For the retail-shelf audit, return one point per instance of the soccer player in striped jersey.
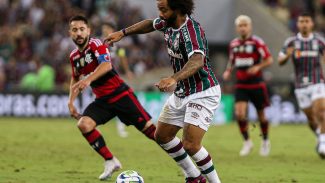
(306, 50)
(196, 90)
(249, 55)
(91, 66)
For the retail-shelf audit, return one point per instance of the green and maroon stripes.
(178, 151)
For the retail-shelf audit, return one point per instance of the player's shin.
(243, 127)
(264, 129)
(175, 149)
(204, 162)
(97, 142)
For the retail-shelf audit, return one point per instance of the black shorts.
(258, 95)
(127, 108)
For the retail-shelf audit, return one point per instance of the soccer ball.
(129, 176)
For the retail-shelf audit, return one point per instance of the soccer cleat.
(265, 148)
(199, 179)
(111, 166)
(321, 150)
(247, 148)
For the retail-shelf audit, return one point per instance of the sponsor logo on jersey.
(176, 42)
(299, 54)
(315, 45)
(186, 36)
(173, 54)
(242, 62)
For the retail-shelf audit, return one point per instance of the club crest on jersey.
(315, 45)
(176, 42)
(88, 58)
(249, 49)
(297, 45)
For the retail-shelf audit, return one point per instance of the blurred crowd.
(288, 11)
(35, 44)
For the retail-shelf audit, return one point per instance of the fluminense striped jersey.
(307, 58)
(182, 43)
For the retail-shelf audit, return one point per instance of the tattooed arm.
(194, 64)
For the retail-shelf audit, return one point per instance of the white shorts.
(196, 109)
(305, 96)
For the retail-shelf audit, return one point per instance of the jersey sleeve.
(288, 43)
(159, 24)
(321, 44)
(101, 51)
(194, 39)
(263, 50)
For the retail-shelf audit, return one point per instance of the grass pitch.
(53, 151)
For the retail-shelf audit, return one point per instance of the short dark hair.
(306, 14)
(185, 6)
(79, 18)
(110, 24)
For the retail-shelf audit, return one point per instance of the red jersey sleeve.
(263, 49)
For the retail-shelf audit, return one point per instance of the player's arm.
(284, 57)
(124, 63)
(142, 27)
(194, 64)
(72, 96)
(230, 66)
(266, 56)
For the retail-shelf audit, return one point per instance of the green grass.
(53, 151)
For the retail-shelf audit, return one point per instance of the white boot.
(111, 166)
(247, 148)
(265, 148)
(121, 129)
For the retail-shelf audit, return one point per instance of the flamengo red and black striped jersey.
(85, 62)
(307, 58)
(182, 43)
(244, 54)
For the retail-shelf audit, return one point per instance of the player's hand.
(253, 70)
(73, 111)
(113, 37)
(166, 84)
(290, 51)
(81, 85)
(226, 75)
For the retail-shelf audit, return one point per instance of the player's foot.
(247, 148)
(265, 148)
(199, 179)
(111, 166)
(321, 150)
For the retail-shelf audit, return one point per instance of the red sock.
(97, 142)
(150, 132)
(243, 126)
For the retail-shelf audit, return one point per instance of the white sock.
(205, 164)
(322, 138)
(176, 150)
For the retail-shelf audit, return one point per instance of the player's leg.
(171, 120)
(242, 121)
(95, 114)
(192, 138)
(260, 99)
(304, 100)
(319, 112)
(131, 112)
(198, 117)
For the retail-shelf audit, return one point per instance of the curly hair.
(185, 6)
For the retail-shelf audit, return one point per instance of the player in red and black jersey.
(91, 66)
(248, 54)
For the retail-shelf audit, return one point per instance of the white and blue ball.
(129, 176)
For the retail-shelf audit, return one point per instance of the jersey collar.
(182, 24)
(310, 37)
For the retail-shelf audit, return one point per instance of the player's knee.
(162, 138)
(240, 116)
(191, 147)
(85, 125)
